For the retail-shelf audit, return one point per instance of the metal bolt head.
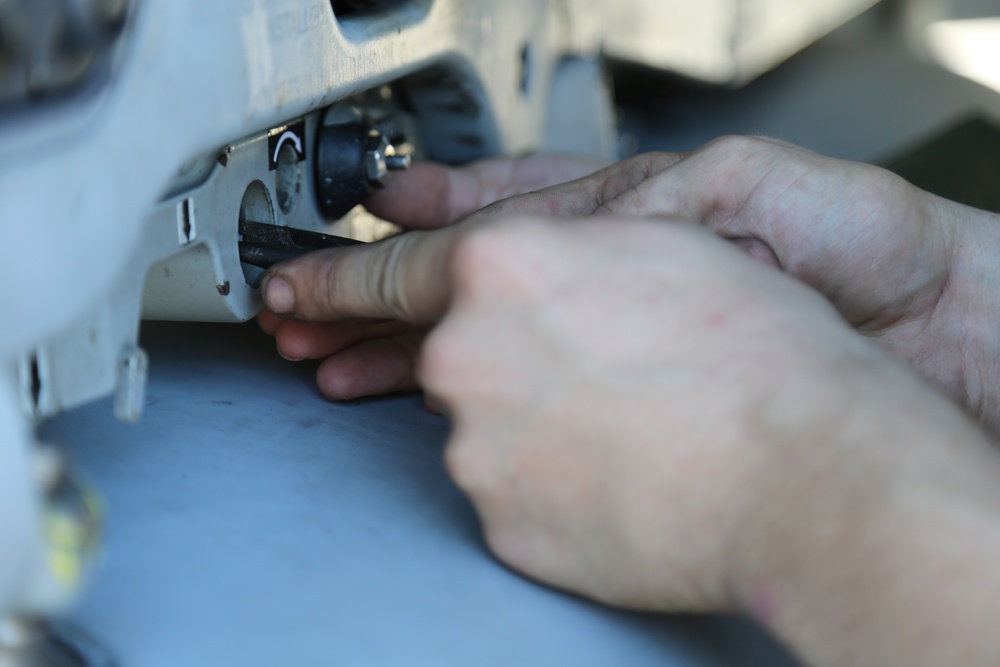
(375, 166)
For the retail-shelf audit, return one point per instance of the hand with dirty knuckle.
(913, 272)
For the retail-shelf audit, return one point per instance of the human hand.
(561, 339)
(914, 272)
(644, 416)
(625, 397)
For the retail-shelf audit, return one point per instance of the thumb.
(405, 277)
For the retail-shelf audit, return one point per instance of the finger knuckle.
(467, 466)
(645, 165)
(508, 545)
(439, 367)
(323, 290)
(387, 289)
(735, 146)
(630, 202)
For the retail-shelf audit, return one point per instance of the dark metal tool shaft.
(263, 244)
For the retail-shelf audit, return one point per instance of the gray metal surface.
(251, 522)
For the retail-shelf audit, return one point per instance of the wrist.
(870, 541)
(968, 316)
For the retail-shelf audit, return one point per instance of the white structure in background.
(963, 36)
(968, 47)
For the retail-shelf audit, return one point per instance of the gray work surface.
(253, 523)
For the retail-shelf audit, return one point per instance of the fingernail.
(287, 357)
(278, 295)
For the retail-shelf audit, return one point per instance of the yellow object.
(73, 530)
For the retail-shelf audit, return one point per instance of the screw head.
(375, 166)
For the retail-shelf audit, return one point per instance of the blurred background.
(909, 84)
